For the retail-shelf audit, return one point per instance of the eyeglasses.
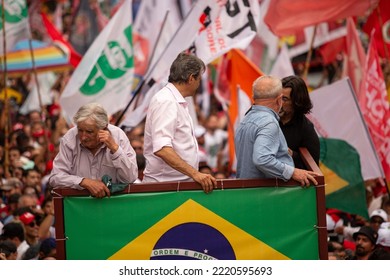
(32, 224)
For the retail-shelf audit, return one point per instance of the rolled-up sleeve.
(163, 128)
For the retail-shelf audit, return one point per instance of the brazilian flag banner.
(340, 164)
(267, 223)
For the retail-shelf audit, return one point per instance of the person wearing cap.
(11, 185)
(365, 240)
(384, 236)
(92, 149)
(14, 232)
(31, 227)
(377, 217)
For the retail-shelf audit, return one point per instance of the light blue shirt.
(261, 148)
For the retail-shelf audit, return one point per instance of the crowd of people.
(165, 147)
(41, 151)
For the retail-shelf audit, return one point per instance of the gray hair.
(266, 87)
(93, 111)
(184, 66)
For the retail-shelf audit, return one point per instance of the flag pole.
(150, 70)
(43, 112)
(6, 103)
(158, 38)
(309, 54)
(139, 88)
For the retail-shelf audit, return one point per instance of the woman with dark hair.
(297, 128)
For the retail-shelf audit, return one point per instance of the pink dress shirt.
(74, 162)
(168, 123)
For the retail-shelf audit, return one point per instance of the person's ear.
(280, 99)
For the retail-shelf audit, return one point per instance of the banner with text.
(260, 223)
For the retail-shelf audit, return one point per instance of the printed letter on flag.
(209, 30)
(375, 106)
(105, 74)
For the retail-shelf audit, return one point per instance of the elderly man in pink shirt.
(170, 145)
(92, 149)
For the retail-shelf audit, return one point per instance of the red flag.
(285, 17)
(330, 50)
(355, 57)
(375, 107)
(380, 20)
(55, 35)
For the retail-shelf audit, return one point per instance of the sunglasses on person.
(32, 224)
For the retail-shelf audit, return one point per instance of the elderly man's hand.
(96, 187)
(304, 177)
(106, 138)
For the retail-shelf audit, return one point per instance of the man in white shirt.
(170, 145)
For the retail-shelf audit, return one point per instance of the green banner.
(249, 223)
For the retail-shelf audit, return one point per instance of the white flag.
(244, 103)
(201, 16)
(105, 74)
(209, 30)
(282, 66)
(16, 23)
(46, 81)
(149, 26)
(235, 27)
(336, 114)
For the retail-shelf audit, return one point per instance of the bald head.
(266, 87)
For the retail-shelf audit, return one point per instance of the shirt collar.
(179, 98)
(265, 109)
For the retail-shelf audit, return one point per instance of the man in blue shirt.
(261, 148)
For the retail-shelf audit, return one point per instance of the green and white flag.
(348, 156)
(16, 23)
(340, 164)
(105, 74)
